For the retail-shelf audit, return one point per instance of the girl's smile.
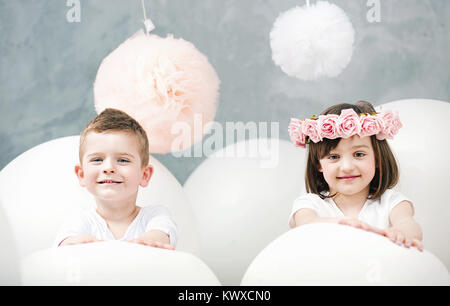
(348, 178)
(350, 167)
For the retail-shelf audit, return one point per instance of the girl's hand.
(399, 238)
(353, 222)
(151, 243)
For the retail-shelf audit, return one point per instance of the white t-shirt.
(89, 222)
(375, 213)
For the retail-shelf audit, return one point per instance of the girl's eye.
(360, 154)
(333, 157)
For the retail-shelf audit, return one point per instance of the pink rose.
(328, 126)
(391, 123)
(348, 123)
(370, 125)
(309, 128)
(296, 134)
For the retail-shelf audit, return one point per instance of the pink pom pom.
(159, 82)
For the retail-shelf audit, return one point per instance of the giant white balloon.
(115, 263)
(39, 190)
(9, 261)
(332, 254)
(242, 196)
(422, 148)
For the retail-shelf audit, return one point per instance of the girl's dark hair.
(386, 169)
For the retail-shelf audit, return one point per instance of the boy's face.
(111, 166)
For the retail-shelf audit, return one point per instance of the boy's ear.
(80, 175)
(148, 172)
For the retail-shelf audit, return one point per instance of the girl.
(350, 172)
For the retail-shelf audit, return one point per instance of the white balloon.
(39, 191)
(332, 254)
(9, 261)
(242, 196)
(115, 263)
(422, 149)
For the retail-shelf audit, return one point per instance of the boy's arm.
(160, 230)
(404, 229)
(74, 230)
(155, 238)
(78, 239)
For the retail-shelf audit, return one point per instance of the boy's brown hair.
(386, 169)
(114, 120)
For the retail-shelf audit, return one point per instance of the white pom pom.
(311, 42)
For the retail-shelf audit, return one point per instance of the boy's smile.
(111, 166)
(109, 182)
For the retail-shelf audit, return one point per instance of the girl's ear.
(80, 175)
(148, 172)
(319, 167)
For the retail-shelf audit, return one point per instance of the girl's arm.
(404, 229)
(306, 216)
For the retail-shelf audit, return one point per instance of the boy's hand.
(79, 239)
(399, 238)
(155, 238)
(151, 243)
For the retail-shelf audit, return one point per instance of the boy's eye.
(96, 159)
(123, 160)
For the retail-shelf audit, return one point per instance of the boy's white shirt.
(375, 213)
(89, 222)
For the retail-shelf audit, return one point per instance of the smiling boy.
(114, 163)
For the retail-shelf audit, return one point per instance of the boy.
(114, 156)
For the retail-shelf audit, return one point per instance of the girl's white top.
(375, 213)
(89, 222)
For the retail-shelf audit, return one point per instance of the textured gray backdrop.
(48, 65)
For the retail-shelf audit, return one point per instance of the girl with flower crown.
(351, 171)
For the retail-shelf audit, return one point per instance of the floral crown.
(348, 123)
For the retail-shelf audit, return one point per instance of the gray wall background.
(48, 65)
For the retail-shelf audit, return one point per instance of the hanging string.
(149, 26)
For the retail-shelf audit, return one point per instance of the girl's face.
(350, 167)
(111, 168)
